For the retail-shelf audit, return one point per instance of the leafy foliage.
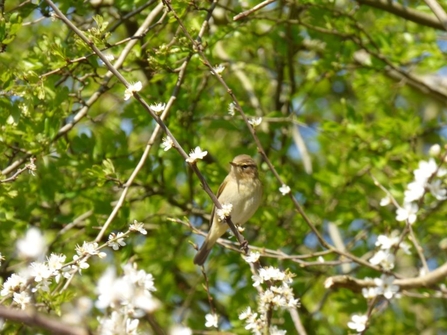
(352, 98)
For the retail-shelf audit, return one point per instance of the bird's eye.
(244, 166)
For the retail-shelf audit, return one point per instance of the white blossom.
(385, 286)
(369, 292)
(358, 322)
(275, 331)
(211, 320)
(14, 283)
(407, 212)
(425, 170)
(388, 242)
(415, 190)
(385, 242)
(131, 326)
(55, 262)
(385, 201)
(40, 271)
(245, 314)
(138, 226)
(32, 246)
(158, 108)
(252, 257)
(118, 242)
(384, 258)
(90, 248)
(284, 189)
(218, 69)
(112, 324)
(434, 150)
(22, 299)
(224, 212)
(132, 289)
(133, 87)
(255, 121)
(180, 330)
(196, 154)
(167, 143)
(437, 189)
(272, 273)
(42, 285)
(231, 108)
(81, 264)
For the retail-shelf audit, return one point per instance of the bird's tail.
(203, 253)
(217, 230)
(206, 247)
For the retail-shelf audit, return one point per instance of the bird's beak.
(232, 164)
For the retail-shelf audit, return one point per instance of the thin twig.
(30, 167)
(297, 321)
(252, 10)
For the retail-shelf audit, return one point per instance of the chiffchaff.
(243, 190)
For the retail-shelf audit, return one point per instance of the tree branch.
(356, 285)
(39, 320)
(438, 11)
(404, 12)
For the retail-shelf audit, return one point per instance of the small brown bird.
(243, 190)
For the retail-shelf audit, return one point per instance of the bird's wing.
(219, 192)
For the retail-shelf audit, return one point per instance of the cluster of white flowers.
(118, 323)
(39, 275)
(385, 255)
(87, 249)
(278, 295)
(223, 212)
(129, 297)
(427, 177)
(381, 286)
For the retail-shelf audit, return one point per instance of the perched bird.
(243, 190)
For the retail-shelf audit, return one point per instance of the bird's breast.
(245, 196)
